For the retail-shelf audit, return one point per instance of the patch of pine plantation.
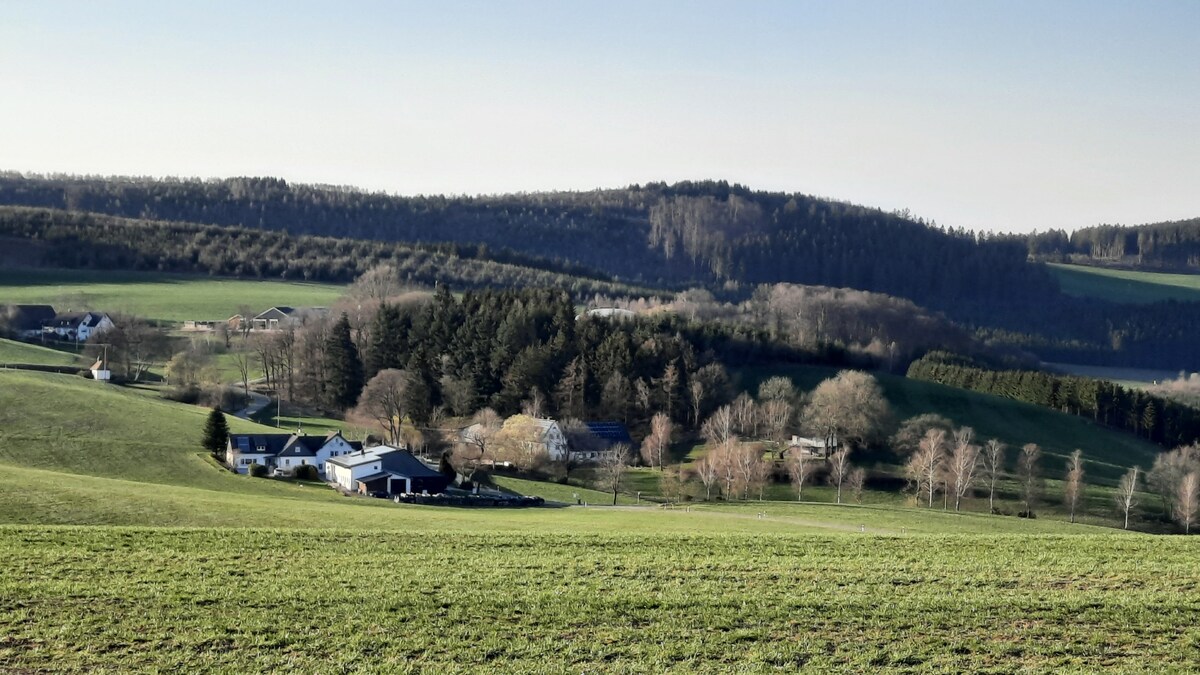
(126, 548)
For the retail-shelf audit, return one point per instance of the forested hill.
(1172, 245)
(705, 233)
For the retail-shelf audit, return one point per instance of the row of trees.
(1152, 417)
(93, 241)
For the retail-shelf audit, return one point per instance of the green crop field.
(164, 297)
(1127, 286)
(121, 599)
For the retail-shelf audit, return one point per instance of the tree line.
(1169, 245)
(1152, 417)
(89, 241)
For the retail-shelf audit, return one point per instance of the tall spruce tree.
(344, 374)
(216, 433)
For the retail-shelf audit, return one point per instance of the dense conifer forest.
(1152, 417)
(634, 241)
(1167, 246)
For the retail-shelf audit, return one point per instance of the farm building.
(820, 447)
(286, 451)
(26, 321)
(79, 326)
(384, 469)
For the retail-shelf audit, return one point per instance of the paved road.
(257, 403)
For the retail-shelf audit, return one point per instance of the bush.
(305, 472)
(189, 394)
(258, 470)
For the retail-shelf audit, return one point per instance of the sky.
(1003, 116)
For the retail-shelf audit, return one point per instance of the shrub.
(258, 470)
(305, 472)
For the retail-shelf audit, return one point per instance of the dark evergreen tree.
(344, 369)
(216, 433)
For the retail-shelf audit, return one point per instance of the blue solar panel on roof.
(243, 444)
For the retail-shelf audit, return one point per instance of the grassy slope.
(167, 297)
(1126, 286)
(127, 457)
(12, 351)
(118, 599)
(1107, 453)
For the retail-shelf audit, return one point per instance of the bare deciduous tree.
(1126, 496)
(925, 465)
(709, 472)
(1170, 468)
(857, 481)
(535, 405)
(799, 467)
(611, 469)
(1030, 475)
(718, 428)
(655, 446)
(382, 400)
(777, 416)
(849, 406)
(1073, 485)
(993, 469)
(696, 396)
(744, 413)
(484, 427)
(1188, 501)
(839, 470)
(963, 463)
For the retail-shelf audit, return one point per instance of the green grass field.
(164, 297)
(126, 549)
(1126, 286)
(12, 351)
(120, 599)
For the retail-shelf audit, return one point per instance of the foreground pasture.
(116, 599)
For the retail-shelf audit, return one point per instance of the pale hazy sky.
(987, 115)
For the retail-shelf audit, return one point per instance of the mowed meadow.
(1126, 286)
(157, 296)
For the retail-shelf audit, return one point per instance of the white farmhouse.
(80, 326)
(286, 452)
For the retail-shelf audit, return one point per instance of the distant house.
(101, 371)
(273, 318)
(277, 318)
(286, 452)
(387, 470)
(26, 321)
(548, 438)
(604, 436)
(79, 326)
(818, 447)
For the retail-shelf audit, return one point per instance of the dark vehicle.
(380, 494)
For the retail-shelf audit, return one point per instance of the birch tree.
(1126, 496)
(963, 464)
(708, 472)
(993, 469)
(839, 470)
(1030, 476)
(799, 468)
(1073, 485)
(654, 447)
(1187, 501)
(925, 465)
(857, 481)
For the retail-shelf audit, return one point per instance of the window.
(287, 462)
(262, 448)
